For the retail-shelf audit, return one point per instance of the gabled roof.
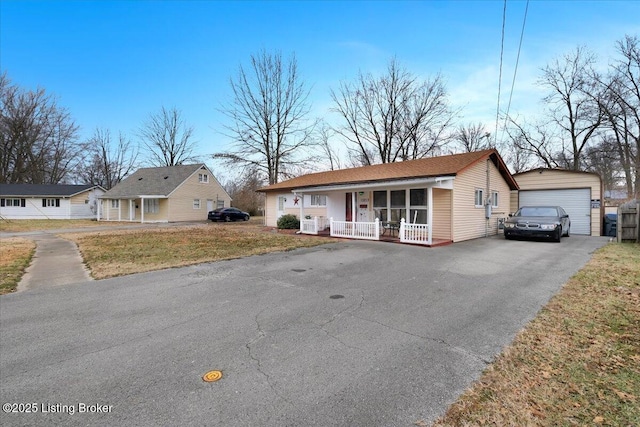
(450, 165)
(541, 170)
(44, 190)
(160, 181)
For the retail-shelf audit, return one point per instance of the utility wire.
(515, 71)
(504, 19)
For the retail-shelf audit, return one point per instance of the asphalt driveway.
(346, 334)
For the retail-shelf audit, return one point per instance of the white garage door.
(577, 203)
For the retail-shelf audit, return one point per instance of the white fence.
(414, 233)
(314, 225)
(355, 230)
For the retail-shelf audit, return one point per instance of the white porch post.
(98, 207)
(301, 208)
(131, 210)
(354, 200)
(119, 210)
(429, 213)
(141, 210)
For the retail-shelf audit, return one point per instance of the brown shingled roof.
(449, 165)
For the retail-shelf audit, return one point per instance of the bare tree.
(243, 192)
(268, 117)
(108, 161)
(621, 106)
(472, 137)
(38, 138)
(393, 117)
(168, 138)
(325, 134)
(571, 105)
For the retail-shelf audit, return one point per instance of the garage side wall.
(552, 179)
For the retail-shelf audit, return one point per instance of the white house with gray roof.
(164, 194)
(49, 201)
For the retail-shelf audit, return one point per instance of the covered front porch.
(414, 211)
(134, 209)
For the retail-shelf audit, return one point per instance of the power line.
(515, 71)
(504, 19)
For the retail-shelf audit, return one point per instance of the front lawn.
(15, 257)
(119, 252)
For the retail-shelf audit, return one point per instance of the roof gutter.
(438, 180)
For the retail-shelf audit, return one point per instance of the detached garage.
(579, 193)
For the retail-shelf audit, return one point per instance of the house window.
(418, 206)
(203, 177)
(380, 205)
(220, 204)
(50, 203)
(398, 204)
(494, 199)
(318, 200)
(196, 203)
(151, 205)
(18, 203)
(115, 204)
(479, 199)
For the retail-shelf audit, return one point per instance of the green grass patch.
(577, 363)
(15, 257)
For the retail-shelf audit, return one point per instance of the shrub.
(288, 222)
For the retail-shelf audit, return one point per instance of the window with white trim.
(196, 203)
(18, 203)
(151, 205)
(318, 200)
(203, 177)
(50, 203)
(115, 203)
(479, 198)
(220, 204)
(494, 199)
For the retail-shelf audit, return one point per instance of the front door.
(280, 208)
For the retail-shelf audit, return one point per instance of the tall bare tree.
(108, 161)
(570, 104)
(168, 138)
(38, 138)
(393, 117)
(472, 137)
(621, 106)
(268, 113)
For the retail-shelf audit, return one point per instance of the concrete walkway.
(57, 261)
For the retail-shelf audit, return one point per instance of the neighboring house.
(448, 198)
(164, 194)
(579, 193)
(49, 201)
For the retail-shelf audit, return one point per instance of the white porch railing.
(314, 225)
(414, 233)
(355, 230)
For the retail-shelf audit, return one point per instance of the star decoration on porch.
(295, 200)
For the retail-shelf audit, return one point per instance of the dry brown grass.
(120, 252)
(15, 256)
(577, 363)
(22, 225)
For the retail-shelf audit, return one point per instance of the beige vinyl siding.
(160, 216)
(441, 214)
(79, 199)
(550, 179)
(112, 213)
(469, 221)
(180, 204)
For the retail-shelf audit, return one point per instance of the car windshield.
(538, 211)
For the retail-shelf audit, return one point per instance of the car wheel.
(246, 218)
(227, 218)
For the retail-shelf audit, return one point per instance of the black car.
(228, 214)
(550, 222)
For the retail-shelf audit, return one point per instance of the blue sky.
(112, 63)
